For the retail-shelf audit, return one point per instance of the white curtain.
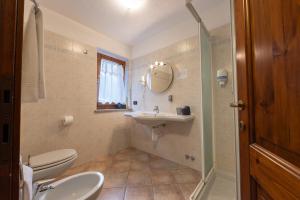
(112, 84)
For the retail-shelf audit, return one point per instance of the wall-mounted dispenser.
(222, 77)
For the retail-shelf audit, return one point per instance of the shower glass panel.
(206, 73)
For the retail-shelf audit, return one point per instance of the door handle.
(240, 105)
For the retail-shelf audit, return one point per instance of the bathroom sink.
(82, 186)
(155, 119)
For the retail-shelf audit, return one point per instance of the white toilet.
(51, 164)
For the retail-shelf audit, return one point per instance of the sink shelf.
(152, 118)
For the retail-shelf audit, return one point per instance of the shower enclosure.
(209, 169)
(206, 113)
(206, 102)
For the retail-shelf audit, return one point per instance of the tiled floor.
(222, 189)
(135, 175)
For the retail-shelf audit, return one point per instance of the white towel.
(27, 189)
(40, 39)
(33, 79)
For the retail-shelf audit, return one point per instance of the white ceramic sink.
(82, 186)
(154, 119)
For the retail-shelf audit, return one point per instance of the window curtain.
(112, 84)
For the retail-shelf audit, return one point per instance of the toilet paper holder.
(67, 120)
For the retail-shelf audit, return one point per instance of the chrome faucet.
(156, 109)
(42, 186)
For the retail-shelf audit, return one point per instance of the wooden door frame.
(244, 77)
(12, 12)
(255, 160)
(17, 99)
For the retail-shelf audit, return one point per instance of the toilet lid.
(54, 164)
(51, 157)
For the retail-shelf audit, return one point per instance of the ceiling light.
(132, 4)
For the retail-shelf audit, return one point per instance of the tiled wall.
(223, 114)
(71, 90)
(176, 140)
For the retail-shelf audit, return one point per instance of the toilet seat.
(54, 164)
(51, 159)
(52, 172)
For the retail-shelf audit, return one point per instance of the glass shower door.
(206, 76)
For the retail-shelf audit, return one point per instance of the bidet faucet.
(42, 186)
(156, 109)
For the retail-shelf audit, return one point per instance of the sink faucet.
(156, 109)
(42, 186)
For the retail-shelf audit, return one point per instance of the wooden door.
(11, 31)
(268, 69)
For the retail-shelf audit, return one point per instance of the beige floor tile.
(167, 192)
(114, 180)
(141, 156)
(162, 176)
(139, 178)
(126, 153)
(112, 194)
(134, 175)
(139, 193)
(75, 170)
(186, 175)
(163, 164)
(187, 189)
(98, 166)
(120, 166)
(107, 158)
(138, 165)
(129, 150)
(122, 156)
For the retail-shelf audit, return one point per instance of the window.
(111, 83)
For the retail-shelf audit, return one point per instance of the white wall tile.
(176, 139)
(223, 114)
(71, 90)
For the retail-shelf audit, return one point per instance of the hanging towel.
(27, 189)
(33, 78)
(40, 40)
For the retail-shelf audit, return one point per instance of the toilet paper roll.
(68, 120)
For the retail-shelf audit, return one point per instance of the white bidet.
(82, 186)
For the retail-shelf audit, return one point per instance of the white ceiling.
(111, 18)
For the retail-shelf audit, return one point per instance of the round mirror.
(159, 78)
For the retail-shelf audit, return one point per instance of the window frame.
(100, 56)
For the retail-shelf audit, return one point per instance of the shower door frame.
(207, 183)
(207, 178)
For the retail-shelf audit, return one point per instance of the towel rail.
(35, 3)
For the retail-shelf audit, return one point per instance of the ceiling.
(129, 26)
